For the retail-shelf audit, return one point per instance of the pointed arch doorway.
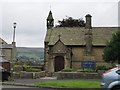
(59, 63)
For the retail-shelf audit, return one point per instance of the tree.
(70, 22)
(112, 51)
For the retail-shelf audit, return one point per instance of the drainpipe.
(71, 54)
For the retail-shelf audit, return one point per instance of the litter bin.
(4, 75)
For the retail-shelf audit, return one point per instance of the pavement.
(28, 82)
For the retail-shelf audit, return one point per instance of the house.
(69, 47)
(5, 64)
(7, 53)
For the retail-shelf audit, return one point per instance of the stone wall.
(78, 54)
(7, 54)
(77, 75)
(29, 75)
(98, 51)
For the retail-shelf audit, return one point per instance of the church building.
(69, 47)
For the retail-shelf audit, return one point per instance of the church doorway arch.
(59, 63)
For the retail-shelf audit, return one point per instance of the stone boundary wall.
(78, 75)
(28, 75)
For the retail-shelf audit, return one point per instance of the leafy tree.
(70, 22)
(112, 50)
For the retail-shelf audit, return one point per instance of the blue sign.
(88, 64)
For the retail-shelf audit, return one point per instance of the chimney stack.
(88, 22)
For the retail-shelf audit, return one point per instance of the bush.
(86, 70)
(25, 67)
(38, 67)
(79, 70)
(102, 68)
(68, 70)
(18, 68)
(31, 69)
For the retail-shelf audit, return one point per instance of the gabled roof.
(59, 47)
(6, 46)
(76, 35)
(2, 41)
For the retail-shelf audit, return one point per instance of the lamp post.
(14, 26)
(13, 51)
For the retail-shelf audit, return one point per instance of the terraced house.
(69, 47)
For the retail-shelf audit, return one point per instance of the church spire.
(50, 20)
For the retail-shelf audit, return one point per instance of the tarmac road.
(10, 87)
(14, 87)
(26, 81)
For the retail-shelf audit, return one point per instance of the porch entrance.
(59, 63)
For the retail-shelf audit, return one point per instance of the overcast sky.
(30, 16)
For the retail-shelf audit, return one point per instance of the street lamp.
(13, 52)
(14, 26)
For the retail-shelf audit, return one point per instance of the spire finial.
(50, 7)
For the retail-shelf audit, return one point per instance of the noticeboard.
(88, 64)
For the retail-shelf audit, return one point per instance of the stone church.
(68, 47)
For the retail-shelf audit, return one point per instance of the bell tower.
(50, 21)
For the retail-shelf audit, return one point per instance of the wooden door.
(59, 63)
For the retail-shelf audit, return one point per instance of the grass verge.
(70, 84)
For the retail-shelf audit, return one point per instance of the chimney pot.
(88, 21)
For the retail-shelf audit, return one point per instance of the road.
(10, 87)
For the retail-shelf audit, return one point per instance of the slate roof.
(2, 41)
(76, 35)
(6, 46)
